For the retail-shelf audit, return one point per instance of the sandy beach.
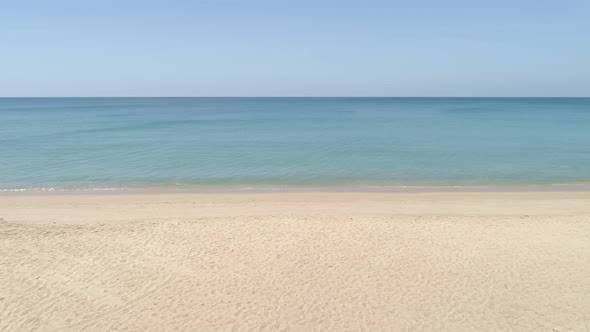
(296, 262)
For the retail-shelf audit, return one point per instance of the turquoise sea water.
(158, 142)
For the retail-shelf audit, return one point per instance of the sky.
(295, 48)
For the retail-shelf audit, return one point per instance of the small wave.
(26, 189)
(53, 189)
(13, 190)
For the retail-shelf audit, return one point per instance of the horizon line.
(15, 97)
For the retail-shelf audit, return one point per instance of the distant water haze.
(93, 143)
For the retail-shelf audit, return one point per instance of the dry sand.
(296, 262)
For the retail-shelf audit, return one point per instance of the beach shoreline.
(278, 188)
(296, 261)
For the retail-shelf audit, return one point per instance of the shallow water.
(68, 143)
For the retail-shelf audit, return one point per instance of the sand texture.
(296, 262)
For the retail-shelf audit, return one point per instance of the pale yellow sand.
(296, 262)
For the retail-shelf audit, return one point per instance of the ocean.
(118, 143)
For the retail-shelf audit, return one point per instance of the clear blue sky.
(295, 48)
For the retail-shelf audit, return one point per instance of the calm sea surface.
(66, 143)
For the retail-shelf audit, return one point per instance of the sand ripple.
(299, 272)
